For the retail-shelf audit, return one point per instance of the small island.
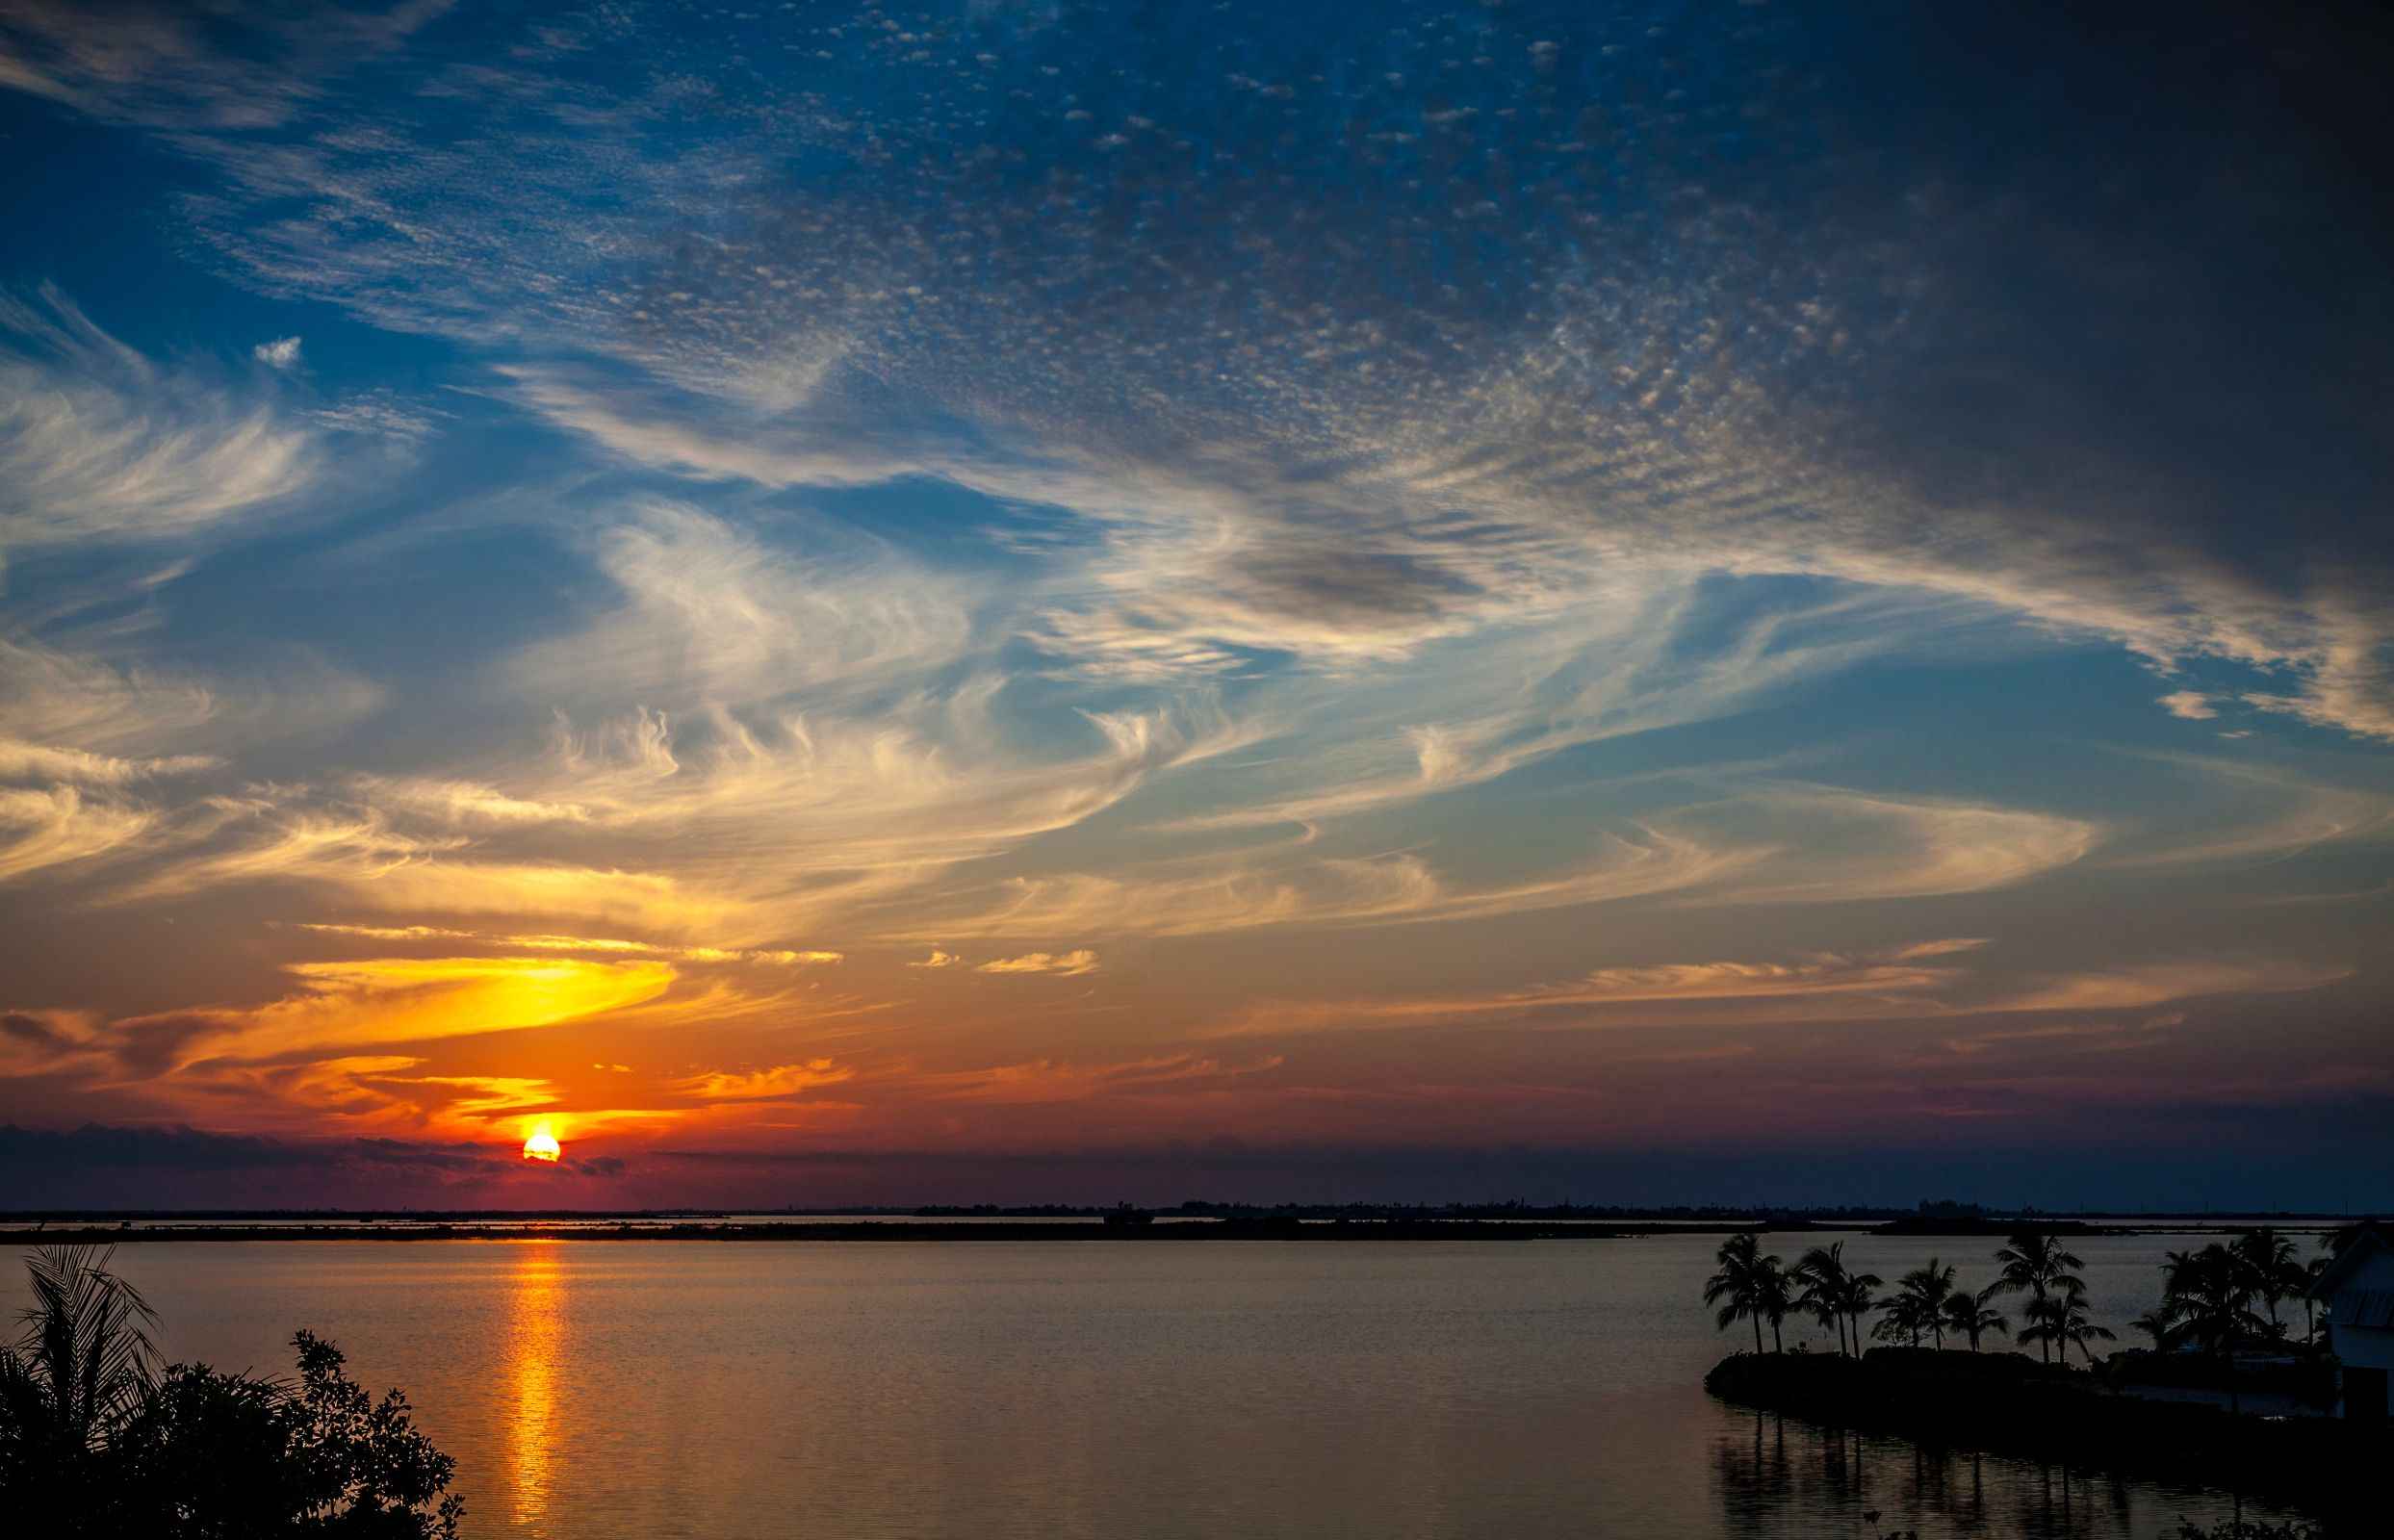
(2233, 1390)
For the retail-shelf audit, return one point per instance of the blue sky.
(861, 591)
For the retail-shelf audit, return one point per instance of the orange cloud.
(1067, 964)
(765, 1085)
(2160, 982)
(396, 1000)
(1905, 983)
(1047, 1080)
(777, 958)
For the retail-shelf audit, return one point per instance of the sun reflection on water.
(534, 1341)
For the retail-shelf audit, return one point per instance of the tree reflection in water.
(1777, 1475)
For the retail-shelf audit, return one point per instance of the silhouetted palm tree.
(1857, 1296)
(1749, 1285)
(2061, 1319)
(2272, 1267)
(1901, 1318)
(2311, 1271)
(85, 1359)
(2075, 1327)
(1775, 1296)
(1922, 1292)
(2034, 1262)
(2161, 1324)
(1822, 1279)
(2209, 1292)
(1965, 1317)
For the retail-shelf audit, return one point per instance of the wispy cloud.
(2254, 812)
(33, 761)
(1775, 844)
(168, 67)
(2162, 983)
(62, 825)
(778, 957)
(1903, 982)
(1067, 964)
(99, 443)
(353, 1006)
(1230, 893)
(713, 616)
(778, 1082)
(360, 854)
(1924, 982)
(1857, 845)
(1043, 1081)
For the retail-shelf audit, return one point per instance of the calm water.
(595, 1389)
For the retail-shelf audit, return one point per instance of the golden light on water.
(542, 1144)
(533, 1342)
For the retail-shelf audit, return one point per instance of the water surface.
(598, 1389)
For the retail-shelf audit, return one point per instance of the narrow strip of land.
(851, 1230)
(1066, 1226)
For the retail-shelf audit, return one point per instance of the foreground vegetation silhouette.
(2219, 1299)
(97, 1439)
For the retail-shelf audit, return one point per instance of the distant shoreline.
(1606, 1213)
(852, 1230)
(958, 1228)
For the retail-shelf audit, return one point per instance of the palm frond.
(86, 1349)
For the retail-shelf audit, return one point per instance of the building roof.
(2372, 1308)
(2371, 1239)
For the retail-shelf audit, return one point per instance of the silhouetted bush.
(95, 1441)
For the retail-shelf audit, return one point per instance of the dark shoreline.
(848, 1230)
(1190, 1222)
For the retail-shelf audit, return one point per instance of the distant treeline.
(1506, 1209)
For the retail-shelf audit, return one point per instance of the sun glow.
(543, 1144)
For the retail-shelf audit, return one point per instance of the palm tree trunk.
(1758, 1336)
(1776, 1345)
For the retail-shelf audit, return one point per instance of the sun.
(543, 1145)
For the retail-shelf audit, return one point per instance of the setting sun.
(543, 1144)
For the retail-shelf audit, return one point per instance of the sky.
(1005, 601)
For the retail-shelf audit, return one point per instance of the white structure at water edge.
(2357, 1289)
